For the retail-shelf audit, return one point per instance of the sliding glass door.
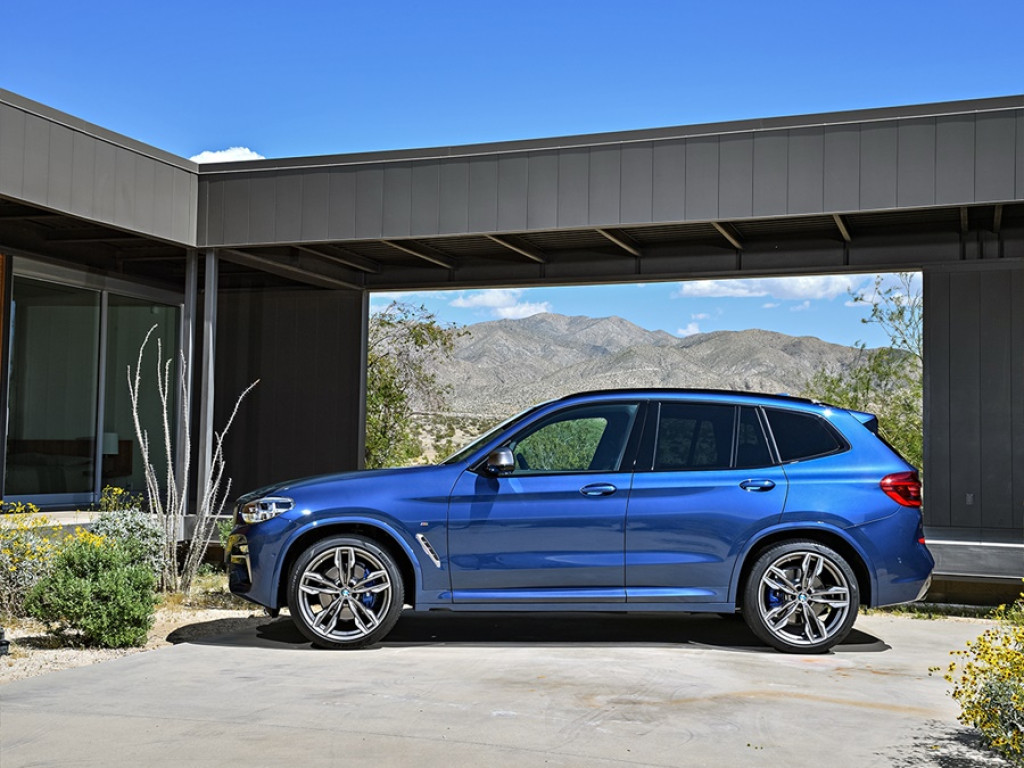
(52, 400)
(70, 428)
(128, 322)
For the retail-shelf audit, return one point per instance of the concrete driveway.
(495, 691)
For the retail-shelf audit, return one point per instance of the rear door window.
(694, 436)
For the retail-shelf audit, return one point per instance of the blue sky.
(334, 77)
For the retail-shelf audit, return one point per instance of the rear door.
(706, 481)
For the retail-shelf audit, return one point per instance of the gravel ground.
(33, 652)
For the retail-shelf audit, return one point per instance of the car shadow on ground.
(519, 629)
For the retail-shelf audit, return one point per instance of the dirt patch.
(33, 652)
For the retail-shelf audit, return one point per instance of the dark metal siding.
(736, 169)
(914, 162)
(915, 173)
(67, 166)
(305, 415)
(974, 402)
(636, 181)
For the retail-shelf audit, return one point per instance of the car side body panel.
(682, 530)
(634, 532)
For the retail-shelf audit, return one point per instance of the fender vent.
(428, 549)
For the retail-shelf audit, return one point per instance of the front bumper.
(239, 566)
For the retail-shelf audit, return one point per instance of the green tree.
(405, 348)
(886, 381)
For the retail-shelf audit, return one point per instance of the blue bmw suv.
(793, 512)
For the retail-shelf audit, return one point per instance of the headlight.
(264, 509)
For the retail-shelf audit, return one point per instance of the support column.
(364, 342)
(187, 334)
(6, 287)
(206, 375)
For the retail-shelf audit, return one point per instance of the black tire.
(345, 592)
(801, 597)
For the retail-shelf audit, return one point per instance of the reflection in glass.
(51, 439)
(128, 321)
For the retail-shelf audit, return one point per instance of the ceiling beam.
(33, 215)
(524, 250)
(300, 267)
(90, 236)
(841, 225)
(341, 256)
(622, 242)
(733, 240)
(434, 258)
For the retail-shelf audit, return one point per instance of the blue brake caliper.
(367, 598)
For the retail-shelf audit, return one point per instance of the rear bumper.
(901, 563)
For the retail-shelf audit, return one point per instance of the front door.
(552, 530)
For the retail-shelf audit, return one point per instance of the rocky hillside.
(503, 366)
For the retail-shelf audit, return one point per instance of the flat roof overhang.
(868, 190)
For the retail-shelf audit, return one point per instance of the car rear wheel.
(345, 592)
(801, 597)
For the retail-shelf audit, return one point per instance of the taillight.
(903, 488)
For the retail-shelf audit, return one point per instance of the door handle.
(757, 485)
(598, 489)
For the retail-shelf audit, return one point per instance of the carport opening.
(852, 336)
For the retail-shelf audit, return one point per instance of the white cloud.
(806, 304)
(719, 289)
(689, 330)
(490, 299)
(785, 288)
(700, 316)
(503, 303)
(770, 305)
(229, 155)
(407, 296)
(523, 309)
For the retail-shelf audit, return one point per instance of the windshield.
(470, 449)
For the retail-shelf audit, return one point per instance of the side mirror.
(500, 462)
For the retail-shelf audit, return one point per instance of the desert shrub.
(988, 683)
(114, 499)
(225, 526)
(27, 548)
(96, 591)
(137, 532)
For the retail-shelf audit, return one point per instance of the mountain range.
(503, 366)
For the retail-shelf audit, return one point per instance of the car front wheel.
(345, 592)
(801, 597)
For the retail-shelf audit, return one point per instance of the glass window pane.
(589, 439)
(801, 435)
(694, 436)
(51, 442)
(751, 446)
(128, 322)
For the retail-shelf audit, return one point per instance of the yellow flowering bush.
(114, 499)
(27, 547)
(988, 683)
